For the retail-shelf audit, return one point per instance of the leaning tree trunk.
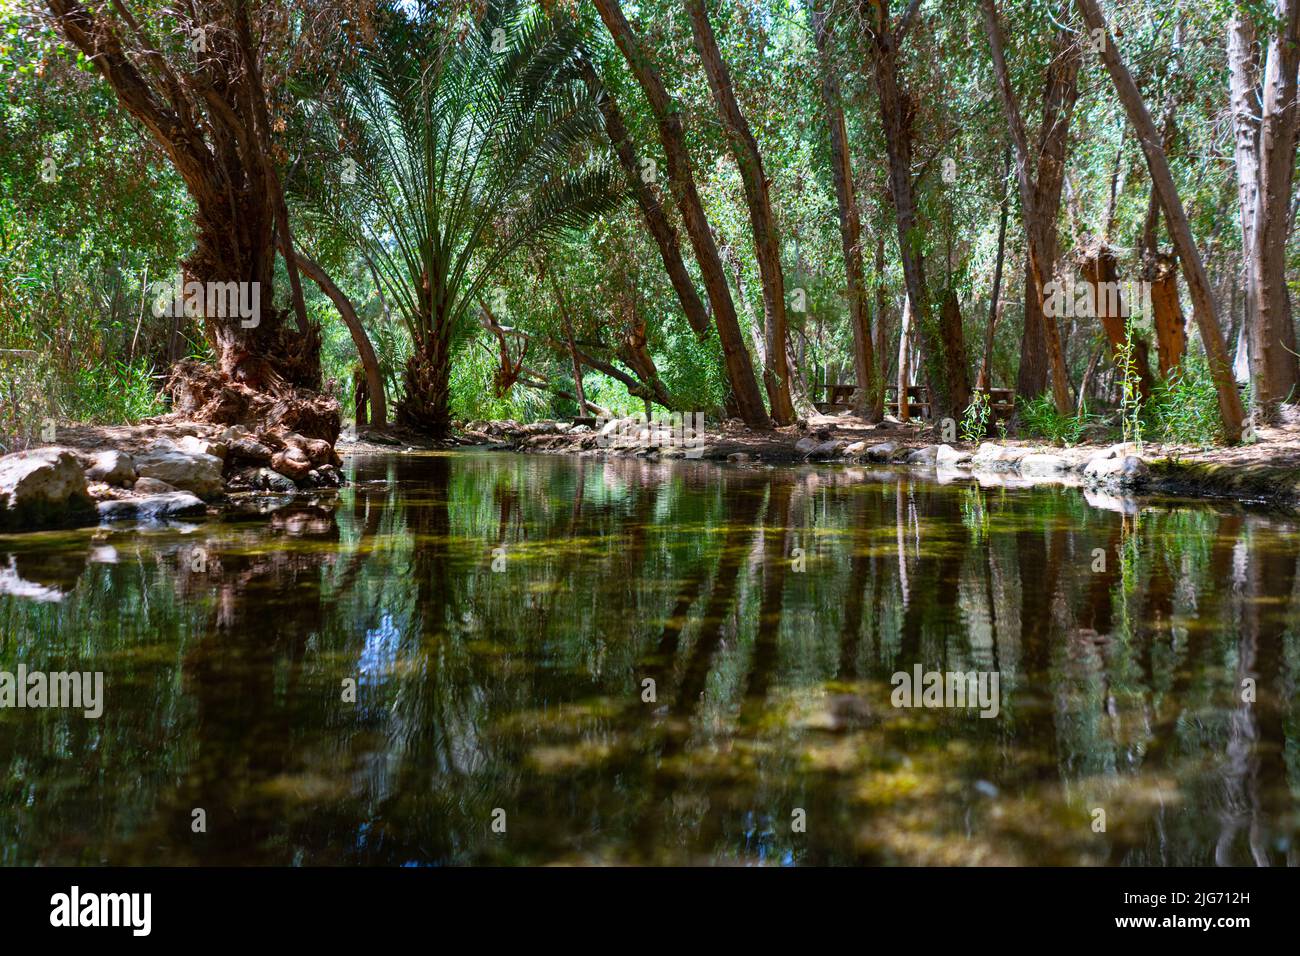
(365, 350)
(767, 240)
(740, 370)
(870, 403)
(1180, 230)
(648, 199)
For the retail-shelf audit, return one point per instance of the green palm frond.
(467, 143)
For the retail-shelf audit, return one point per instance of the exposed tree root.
(201, 393)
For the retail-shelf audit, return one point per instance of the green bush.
(1184, 410)
(1039, 418)
(975, 421)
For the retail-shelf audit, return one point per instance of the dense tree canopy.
(514, 209)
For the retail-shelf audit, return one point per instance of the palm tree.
(460, 138)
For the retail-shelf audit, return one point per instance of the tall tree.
(949, 392)
(1060, 91)
(870, 402)
(740, 370)
(193, 77)
(1180, 230)
(767, 238)
(471, 139)
(1040, 268)
(1266, 118)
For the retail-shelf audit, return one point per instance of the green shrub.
(975, 420)
(1184, 409)
(1039, 417)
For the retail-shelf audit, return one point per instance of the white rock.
(990, 451)
(1125, 472)
(177, 504)
(201, 446)
(1042, 465)
(196, 473)
(43, 488)
(946, 456)
(112, 467)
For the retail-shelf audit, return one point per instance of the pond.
(482, 658)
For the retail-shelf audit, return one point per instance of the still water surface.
(501, 617)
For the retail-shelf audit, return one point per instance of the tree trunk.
(740, 371)
(1243, 64)
(1171, 327)
(1061, 90)
(985, 379)
(882, 315)
(904, 363)
(1272, 330)
(425, 405)
(1180, 230)
(365, 350)
(870, 403)
(213, 129)
(1040, 268)
(895, 114)
(1101, 272)
(950, 326)
(648, 199)
(767, 241)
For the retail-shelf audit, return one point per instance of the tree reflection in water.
(522, 688)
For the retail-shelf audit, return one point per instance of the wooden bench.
(838, 397)
(918, 400)
(1002, 401)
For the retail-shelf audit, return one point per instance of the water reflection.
(658, 663)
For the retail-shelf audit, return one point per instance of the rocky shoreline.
(1257, 474)
(169, 469)
(155, 471)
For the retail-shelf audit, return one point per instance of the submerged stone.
(177, 504)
